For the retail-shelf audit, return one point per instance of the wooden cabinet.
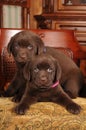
(65, 14)
(71, 5)
(61, 14)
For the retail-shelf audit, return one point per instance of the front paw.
(20, 109)
(73, 108)
(16, 99)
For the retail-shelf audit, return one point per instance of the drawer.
(78, 26)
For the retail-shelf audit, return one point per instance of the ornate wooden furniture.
(64, 14)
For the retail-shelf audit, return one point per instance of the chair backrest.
(53, 38)
(61, 39)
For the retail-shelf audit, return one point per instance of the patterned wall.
(12, 16)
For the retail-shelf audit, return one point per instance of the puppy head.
(24, 45)
(42, 71)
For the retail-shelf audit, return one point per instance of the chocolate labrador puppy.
(23, 46)
(43, 75)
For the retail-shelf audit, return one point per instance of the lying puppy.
(43, 75)
(23, 46)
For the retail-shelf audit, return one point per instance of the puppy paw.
(2, 94)
(73, 108)
(16, 99)
(20, 109)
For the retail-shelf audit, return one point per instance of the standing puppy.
(43, 76)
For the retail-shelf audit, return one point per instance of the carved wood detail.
(14, 2)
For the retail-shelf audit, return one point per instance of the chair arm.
(81, 55)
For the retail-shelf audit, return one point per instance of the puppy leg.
(74, 83)
(17, 97)
(12, 88)
(72, 88)
(17, 83)
(25, 102)
(24, 105)
(64, 100)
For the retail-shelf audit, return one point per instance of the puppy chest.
(44, 96)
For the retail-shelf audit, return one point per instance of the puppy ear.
(26, 71)
(9, 46)
(57, 71)
(40, 45)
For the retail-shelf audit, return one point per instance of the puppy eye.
(49, 70)
(36, 70)
(30, 47)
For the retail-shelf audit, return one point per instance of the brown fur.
(23, 46)
(41, 73)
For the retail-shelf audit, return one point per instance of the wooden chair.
(60, 39)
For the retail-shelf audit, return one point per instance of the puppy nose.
(43, 78)
(22, 55)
